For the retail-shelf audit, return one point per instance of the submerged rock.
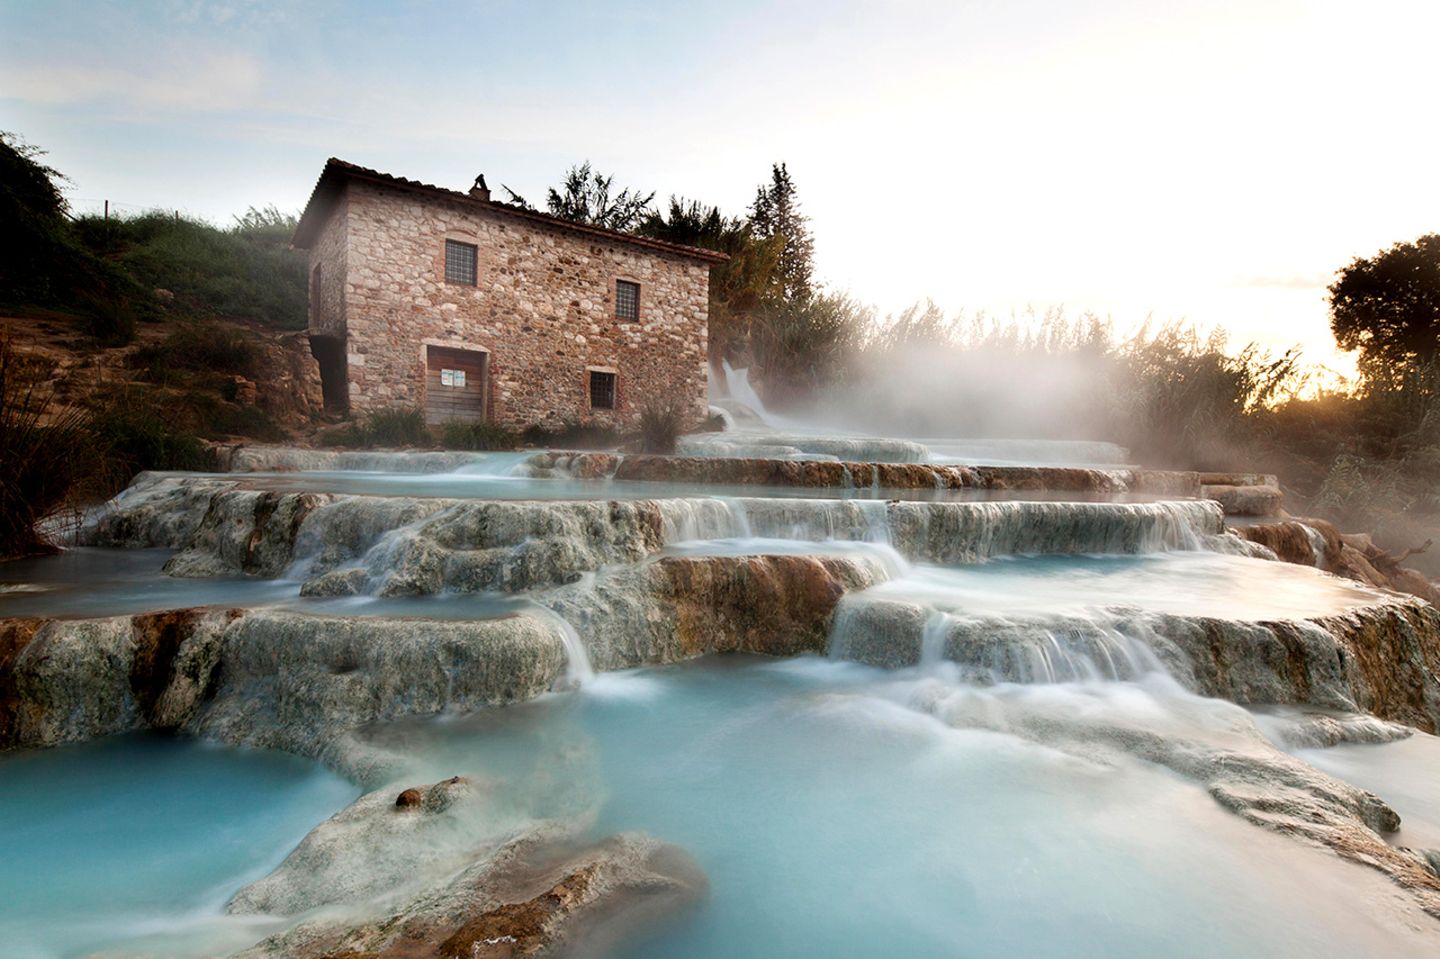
(530, 897)
(459, 871)
(1324, 730)
(376, 846)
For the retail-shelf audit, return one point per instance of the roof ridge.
(309, 226)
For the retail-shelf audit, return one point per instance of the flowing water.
(835, 818)
(1008, 790)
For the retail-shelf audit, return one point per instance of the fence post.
(107, 211)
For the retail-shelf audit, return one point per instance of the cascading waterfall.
(1108, 642)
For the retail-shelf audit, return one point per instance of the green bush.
(247, 271)
(350, 434)
(135, 435)
(199, 348)
(458, 435)
(576, 435)
(661, 423)
(396, 427)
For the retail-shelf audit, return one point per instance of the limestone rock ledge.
(414, 546)
(1315, 542)
(1383, 658)
(264, 678)
(299, 682)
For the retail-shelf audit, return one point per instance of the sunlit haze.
(1214, 162)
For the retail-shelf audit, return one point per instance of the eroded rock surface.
(678, 608)
(525, 899)
(345, 545)
(1383, 658)
(1316, 542)
(263, 677)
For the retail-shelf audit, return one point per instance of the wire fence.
(117, 210)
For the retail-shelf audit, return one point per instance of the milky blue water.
(462, 485)
(140, 834)
(834, 820)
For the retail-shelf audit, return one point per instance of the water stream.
(1034, 774)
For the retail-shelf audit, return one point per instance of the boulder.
(530, 897)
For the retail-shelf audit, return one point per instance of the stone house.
(478, 310)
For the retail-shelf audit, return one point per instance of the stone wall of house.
(327, 311)
(543, 307)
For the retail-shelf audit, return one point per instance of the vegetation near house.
(584, 196)
(1366, 455)
(113, 273)
(481, 437)
(662, 423)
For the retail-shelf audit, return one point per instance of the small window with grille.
(460, 262)
(602, 390)
(627, 300)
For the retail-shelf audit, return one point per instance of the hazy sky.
(1215, 161)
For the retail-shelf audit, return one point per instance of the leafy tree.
(1388, 307)
(776, 213)
(585, 197)
(33, 238)
(802, 345)
(739, 287)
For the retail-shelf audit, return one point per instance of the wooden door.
(455, 385)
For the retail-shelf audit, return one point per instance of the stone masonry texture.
(543, 309)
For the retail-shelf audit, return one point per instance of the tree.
(776, 213)
(1388, 307)
(35, 257)
(738, 287)
(584, 197)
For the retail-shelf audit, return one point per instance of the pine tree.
(776, 212)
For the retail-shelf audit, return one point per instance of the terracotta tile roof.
(338, 172)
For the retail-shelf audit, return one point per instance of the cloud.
(205, 82)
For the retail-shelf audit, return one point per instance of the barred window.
(602, 390)
(627, 300)
(460, 262)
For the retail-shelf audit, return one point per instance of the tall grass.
(45, 453)
(199, 348)
(393, 427)
(459, 435)
(246, 271)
